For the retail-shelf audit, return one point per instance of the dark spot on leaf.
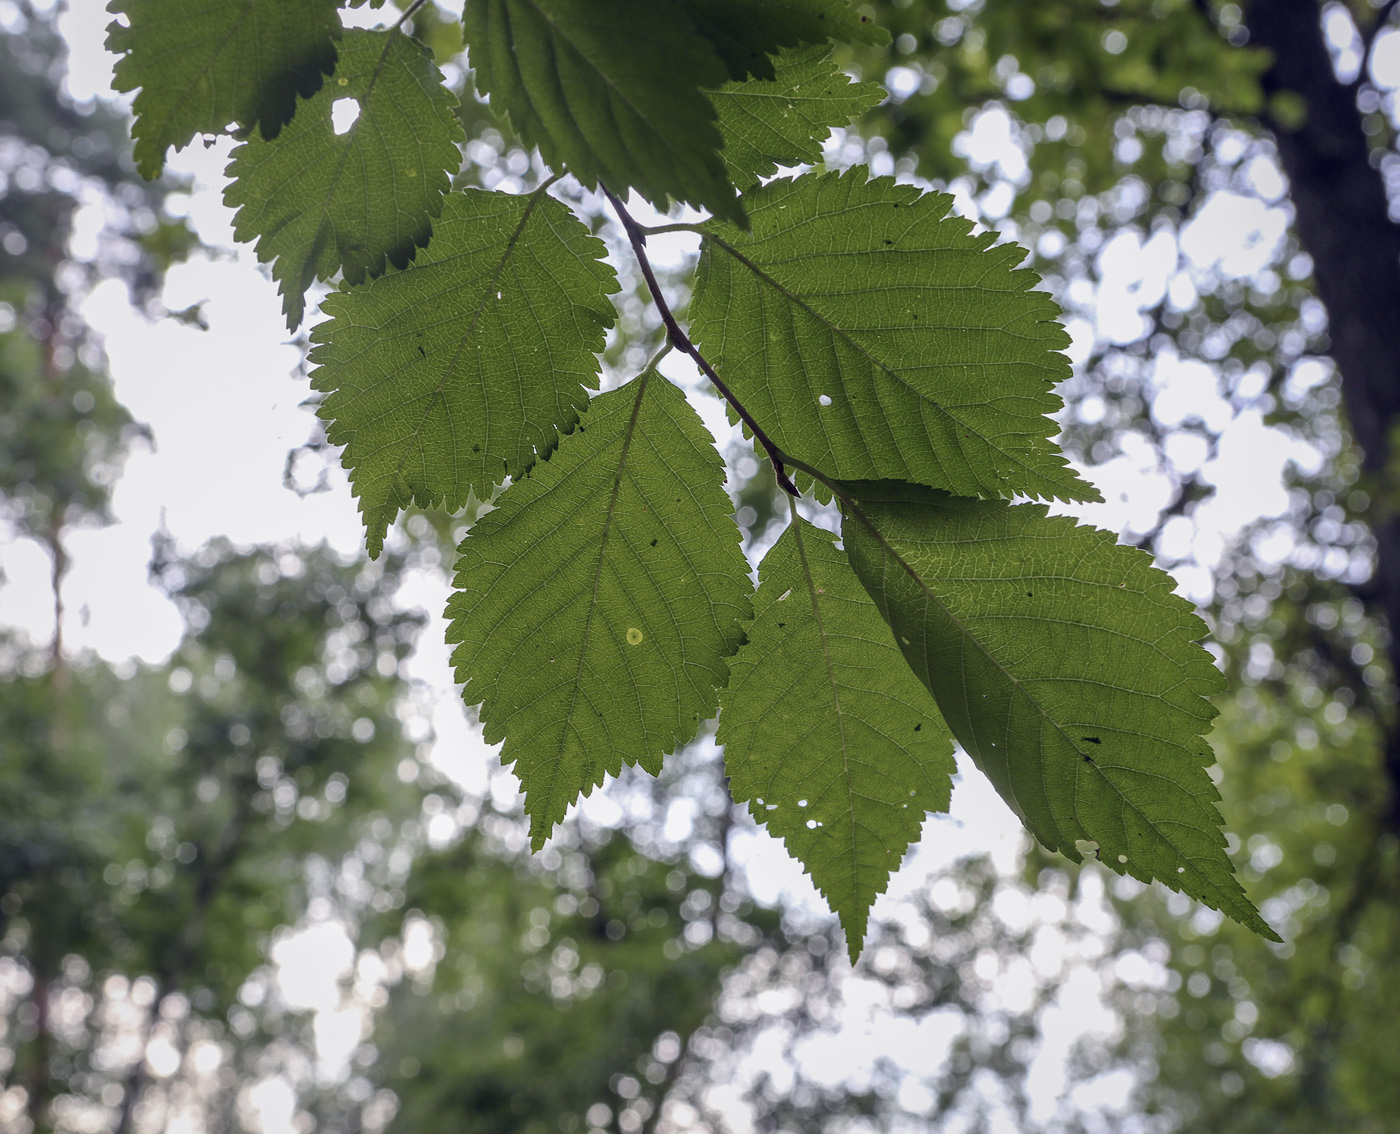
(918, 727)
(422, 352)
(889, 241)
(1029, 595)
(1093, 740)
(653, 543)
(476, 448)
(1088, 759)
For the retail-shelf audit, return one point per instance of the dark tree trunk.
(1343, 220)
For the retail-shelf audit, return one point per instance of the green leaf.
(320, 202)
(467, 365)
(611, 92)
(596, 606)
(827, 735)
(874, 336)
(205, 64)
(747, 32)
(1068, 671)
(785, 121)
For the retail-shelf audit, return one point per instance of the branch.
(637, 237)
(408, 13)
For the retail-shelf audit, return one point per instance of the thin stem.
(679, 226)
(637, 237)
(408, 13)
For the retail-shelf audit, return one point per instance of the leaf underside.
(746, 32)
(875, 337)
(612, 92)
(900, 362)
(597, 605)
(784, 121)
(1068, 671)
(204, 64)
(318, 203)
(828, 736)
(466, 366)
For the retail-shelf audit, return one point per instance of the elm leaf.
(202, 65)
(597, 605)
(827, 735)
(1068, 671)
(319, 202)
(875, 337)
(465, 367)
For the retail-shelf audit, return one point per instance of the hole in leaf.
(824, 400)
(345, 112)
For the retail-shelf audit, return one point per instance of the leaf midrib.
(556, 766)
(895, 375)
(835, 690)
(1021, 689)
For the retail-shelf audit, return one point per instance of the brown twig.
(637, 237)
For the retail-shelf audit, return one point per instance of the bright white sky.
(224, 408)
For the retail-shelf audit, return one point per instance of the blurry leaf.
(874, 336)
(1067, 669)
(827, 735)
(201, 66)
(318, 202)
(466, 366)
(596, 605)
(785, 121)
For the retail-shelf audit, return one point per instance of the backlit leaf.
(784, 121)
(1066, 668)
(611, 91)
(202, 65)
(464, 367)
(747, 32)
(827, 735)
(597, 605)
(318, 202)
(874, 336)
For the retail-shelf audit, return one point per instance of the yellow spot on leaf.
(343, 82)
(634, 636)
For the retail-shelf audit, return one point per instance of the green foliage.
(596, 606)
(203, 66)
(611, 93)
(1087, 743)
(318, 202)
(875, 337)
(747, 32)
(159, 824)
(467, 368)
(560, 978)
(783, 120)
(841, 759)
(860, 332)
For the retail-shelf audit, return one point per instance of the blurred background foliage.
(174, 837)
